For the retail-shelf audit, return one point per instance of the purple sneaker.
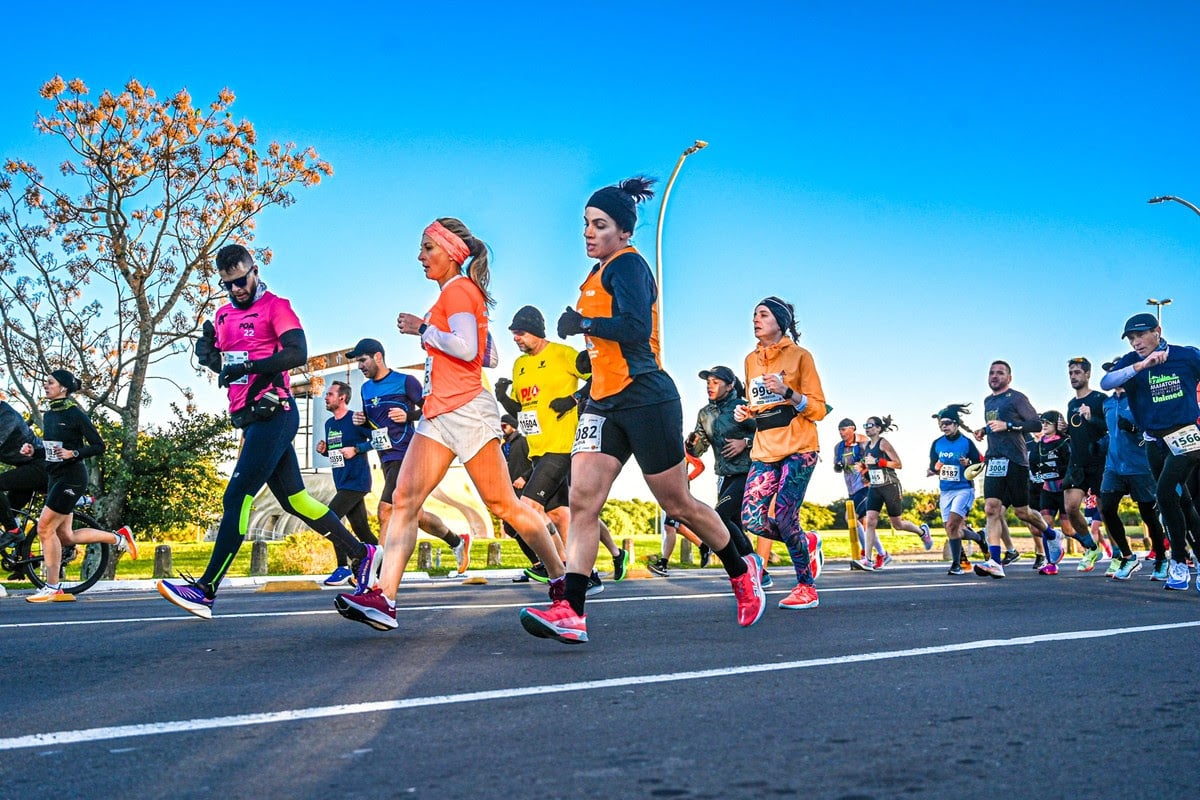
(370, 608)
(364, 570)
(189, 596)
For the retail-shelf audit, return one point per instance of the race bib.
(427, 381)
(587, 434)
(996, 468)
(877, 476)
(236, 357)
(949, 472)
(336, 459)
(52, 450)
(759, 394)
(1184, 440)
(380, 439)
(527, 423)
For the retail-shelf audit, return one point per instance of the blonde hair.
(478, 270)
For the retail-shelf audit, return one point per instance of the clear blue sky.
(933, 185)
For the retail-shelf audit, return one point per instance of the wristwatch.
(421, 330)
(74, 454)
(789, 394)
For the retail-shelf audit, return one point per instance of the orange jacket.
(800, 374)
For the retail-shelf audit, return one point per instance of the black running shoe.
(659, 567)
(594, 585)
(1039, 561)
(1010, 556)
(538, 573)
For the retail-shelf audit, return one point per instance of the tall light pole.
(1173, 198)
(1158, 304)
(658, 257)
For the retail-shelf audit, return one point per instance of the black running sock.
(735, 567)
(956, 550)
(576, 591)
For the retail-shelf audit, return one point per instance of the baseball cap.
(720, 373)
(1140, 322)
(366, 347)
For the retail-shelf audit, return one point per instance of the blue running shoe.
(1054, 549)
(926, 537)
(339, 577)
(767, 582)
(365, 570)
(1127, 567)
(1160, 571)
(1178, 576)
(188, 596)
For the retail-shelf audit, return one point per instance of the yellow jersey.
(537, 380)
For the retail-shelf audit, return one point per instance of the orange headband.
(449, 241)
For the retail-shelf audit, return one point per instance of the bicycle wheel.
(82, 565)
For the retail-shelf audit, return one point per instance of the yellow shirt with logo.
(538, 379)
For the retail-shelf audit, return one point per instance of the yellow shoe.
(50, 594)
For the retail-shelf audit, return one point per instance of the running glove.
(232, 372)
(570, 323)
(561, 405)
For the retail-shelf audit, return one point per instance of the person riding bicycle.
(27, 476)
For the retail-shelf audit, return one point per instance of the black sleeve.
(631, 284)
(511, 406)
(293, 352)
(95, 445)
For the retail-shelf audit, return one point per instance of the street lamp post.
(1158, 304)
(658, 257)
(1170, 197)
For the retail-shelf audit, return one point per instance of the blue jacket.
(1126, 453)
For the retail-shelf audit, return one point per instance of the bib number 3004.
(1184, 440)
(587, 434)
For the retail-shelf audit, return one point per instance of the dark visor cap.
(365, 347)
(720, 373)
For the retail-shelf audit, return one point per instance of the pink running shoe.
(559, 621)
(747, 590)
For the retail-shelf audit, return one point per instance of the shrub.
(303, 553)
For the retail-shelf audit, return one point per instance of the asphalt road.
(904, 683)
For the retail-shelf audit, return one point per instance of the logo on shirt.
(1164, 388)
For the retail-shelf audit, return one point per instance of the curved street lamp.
(1170, 197)
(658, 258)
(1158, 304)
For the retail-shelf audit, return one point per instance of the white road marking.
(242, 720)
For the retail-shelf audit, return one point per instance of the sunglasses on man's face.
(239, 283)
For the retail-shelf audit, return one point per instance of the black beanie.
(530, 320)
(65, 379)
(783, 315)
(618, 204)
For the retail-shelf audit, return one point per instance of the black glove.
(503, 385)
(570, 323)
(1126, 425)
(838, 466)
(206, 348)
(232, 372)
(561, 405)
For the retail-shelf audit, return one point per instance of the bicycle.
(77, 574)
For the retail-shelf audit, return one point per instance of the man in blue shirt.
(346, 446)
(949, 455)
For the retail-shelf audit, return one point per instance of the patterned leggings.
(785, 482)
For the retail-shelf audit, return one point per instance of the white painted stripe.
(242, 720)
(539, 600)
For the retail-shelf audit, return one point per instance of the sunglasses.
(945, 422)
(239, 283)
(870, 425)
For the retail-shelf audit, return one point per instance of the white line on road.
(540, 600)
(242, 720)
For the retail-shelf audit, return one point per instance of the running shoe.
(9, 538)
(1113, 565)
(462, 553)
(1088, 562)
(803, 596)
(559, 621)
(765, 580)
(1128, 567)
(856, 564)
(1160, 571)
(520, 577)
(1049, 569)
(965, 563)
(339, 577)
(367, 568)
(1039, 561)
(989, 567)
(866, 564)
(125, 542)
(705, 555)
(1107, 548)
(882, 560)
(537, 573)
(188, 596)
(1054, 549)
(1178, 576)
(926, 537)
(369, 608)
(747, 591)
(50, 594)
(659, 567)
(621, 565)
(816, 554)
(955, 569)
(594, 585)
(1009, 557)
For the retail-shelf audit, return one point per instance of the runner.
(1126, 472)
(1084, 424)
(847, 459)
(884, 489)
(69, 437)
(256, 340)
(785, 401)
(1161, 382)
(544, 382)
(346, 446)
(1006, 476)
(391, 407)
(459, 418)
(27, 476)
(633, 410)
(1048, 458)
(949, 455)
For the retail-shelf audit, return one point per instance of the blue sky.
(933, 185)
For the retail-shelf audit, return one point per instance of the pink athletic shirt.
(255, 330)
